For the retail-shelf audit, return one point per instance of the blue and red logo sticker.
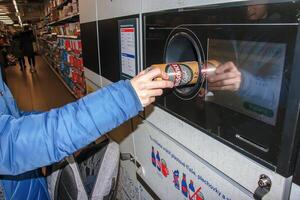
(187, 191)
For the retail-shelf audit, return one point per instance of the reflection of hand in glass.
(226, 77)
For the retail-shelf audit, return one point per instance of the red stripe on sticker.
(130, 30)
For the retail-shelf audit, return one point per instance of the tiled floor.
(39, 91)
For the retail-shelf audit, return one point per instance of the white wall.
(108, 9)
(87, 10)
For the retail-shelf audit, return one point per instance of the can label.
(183, 73)
(180, 74)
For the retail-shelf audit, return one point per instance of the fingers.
(164, 75)
(159, 84)
(152, 99)
(148, 101)
(142, 73)
(147, 87)
(227, 77)
(232, 87)
(226, 67)
(229, 84)
(155, 93)
(153, 73)
(224, 82)
(148, 96)
(223, 76)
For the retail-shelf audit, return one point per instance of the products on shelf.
(72, 64)
(60, 9)
(68, 10)
(73, 45)
(62, 45)
(70, 29)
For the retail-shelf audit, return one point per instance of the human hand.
(226, 77)
(147, 88)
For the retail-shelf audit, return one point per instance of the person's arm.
(37, 140)
(258, 90)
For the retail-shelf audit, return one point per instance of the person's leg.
(33, 60)
(32, 63)
(29, 61)
(21, 64)
(23, 61)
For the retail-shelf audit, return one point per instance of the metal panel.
(89, 46)
(157, 5)
(181, 172)
(238, 167)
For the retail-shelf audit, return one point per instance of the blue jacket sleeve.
(37, 140)
(258, 90)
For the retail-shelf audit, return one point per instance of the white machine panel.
(108, 9)
(238, 167)
(183, 175)
(92, 78)
(295, 192)
(157, 5)
(105, 81)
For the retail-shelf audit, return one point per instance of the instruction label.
(128, 51)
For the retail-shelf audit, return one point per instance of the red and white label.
(178, 74)
(127, 30)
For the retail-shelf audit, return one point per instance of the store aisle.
(39, 91)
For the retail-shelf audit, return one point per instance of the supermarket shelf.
(75, 68)
(60, 6)
(69, 37)
(52, 60)
(73, 18)
(77, 55)
(49, 34)
(60, 78)
(46, 16)
(52, 43)
(79, 86)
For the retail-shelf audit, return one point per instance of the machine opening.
(182, 47)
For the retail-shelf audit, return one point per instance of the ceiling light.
(17, 12)
(7, 22)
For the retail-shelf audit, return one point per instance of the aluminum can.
(183, 73)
